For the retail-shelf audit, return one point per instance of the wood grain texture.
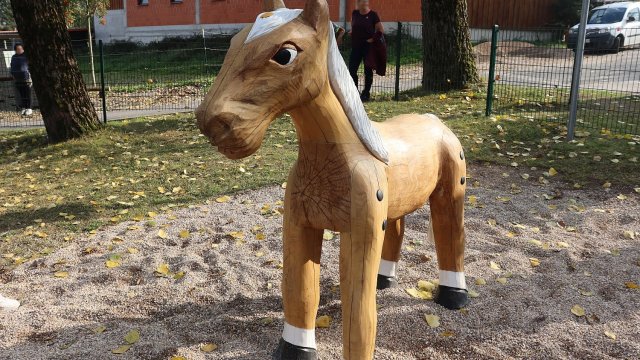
(360, 251)
(334, 183)
(301, 271)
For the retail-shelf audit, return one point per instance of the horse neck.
(323, 121)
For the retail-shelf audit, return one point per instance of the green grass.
(597, 109)
(53, 194)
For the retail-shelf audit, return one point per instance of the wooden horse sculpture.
(352, 175)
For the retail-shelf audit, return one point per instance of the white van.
(610, 27)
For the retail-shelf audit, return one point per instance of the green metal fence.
(163, 75)
(528, 71)
(532, 77)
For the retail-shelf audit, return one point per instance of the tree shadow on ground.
(20, 219)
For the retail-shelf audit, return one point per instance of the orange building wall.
(161, 13)
(245, 11)
(482, 13)
(389, 11)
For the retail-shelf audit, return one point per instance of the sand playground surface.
(553, 270)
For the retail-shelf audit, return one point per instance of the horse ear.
(316, 13)
(271, 5)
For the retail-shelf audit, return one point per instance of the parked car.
(610, 27)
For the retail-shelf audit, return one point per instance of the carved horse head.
(271, 67)
(281, 62)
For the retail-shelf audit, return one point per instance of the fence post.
(577, 69)
(398, 54)
(492, 69)
(204, 45)
(103, 93)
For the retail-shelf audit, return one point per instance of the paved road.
(612, 72)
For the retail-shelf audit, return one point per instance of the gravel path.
(227, 291)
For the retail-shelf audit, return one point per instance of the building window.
(176, 1)
(143, 2)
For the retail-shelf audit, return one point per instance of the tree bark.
(448, 61)
(65, 105)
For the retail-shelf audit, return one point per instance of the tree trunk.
(64, 102)
(448, 61)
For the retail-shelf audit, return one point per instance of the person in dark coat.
(22, 79)
(366, 28)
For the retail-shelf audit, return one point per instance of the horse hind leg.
(387, 277)
(447, 217)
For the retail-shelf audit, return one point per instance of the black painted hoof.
(451, 298)
(286, 351)
(386, 282)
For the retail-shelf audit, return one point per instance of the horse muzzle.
(219, 128)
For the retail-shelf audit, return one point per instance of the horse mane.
(349, 97)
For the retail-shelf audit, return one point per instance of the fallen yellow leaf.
(631, 285)
(420, 294)
(562, 244)
(610, 334)
(323, 321)
(223, 199)
(208, 347)
(447, 333)
(100, 329)
(553, 172)
(629, 234)
(162, 233)
(132, 337)
(502, 280)
(586, 293)
(536, 242)
(121, 349)
(426, 285)
(577, 310)
(473, 294)
(184, 234)
(110, 264)
(328, 235)
(481, 281)
(494, 266)
(534, 262)
(162, 270)
(61, 274)
(432, 320)
(179, 275)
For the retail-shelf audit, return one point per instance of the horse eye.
(285, 56)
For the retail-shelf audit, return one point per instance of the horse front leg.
(360, 251)
(300, 289)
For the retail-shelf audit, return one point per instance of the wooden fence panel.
(512, 14)
(116, 4)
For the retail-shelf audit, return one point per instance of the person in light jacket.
(22, 79)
